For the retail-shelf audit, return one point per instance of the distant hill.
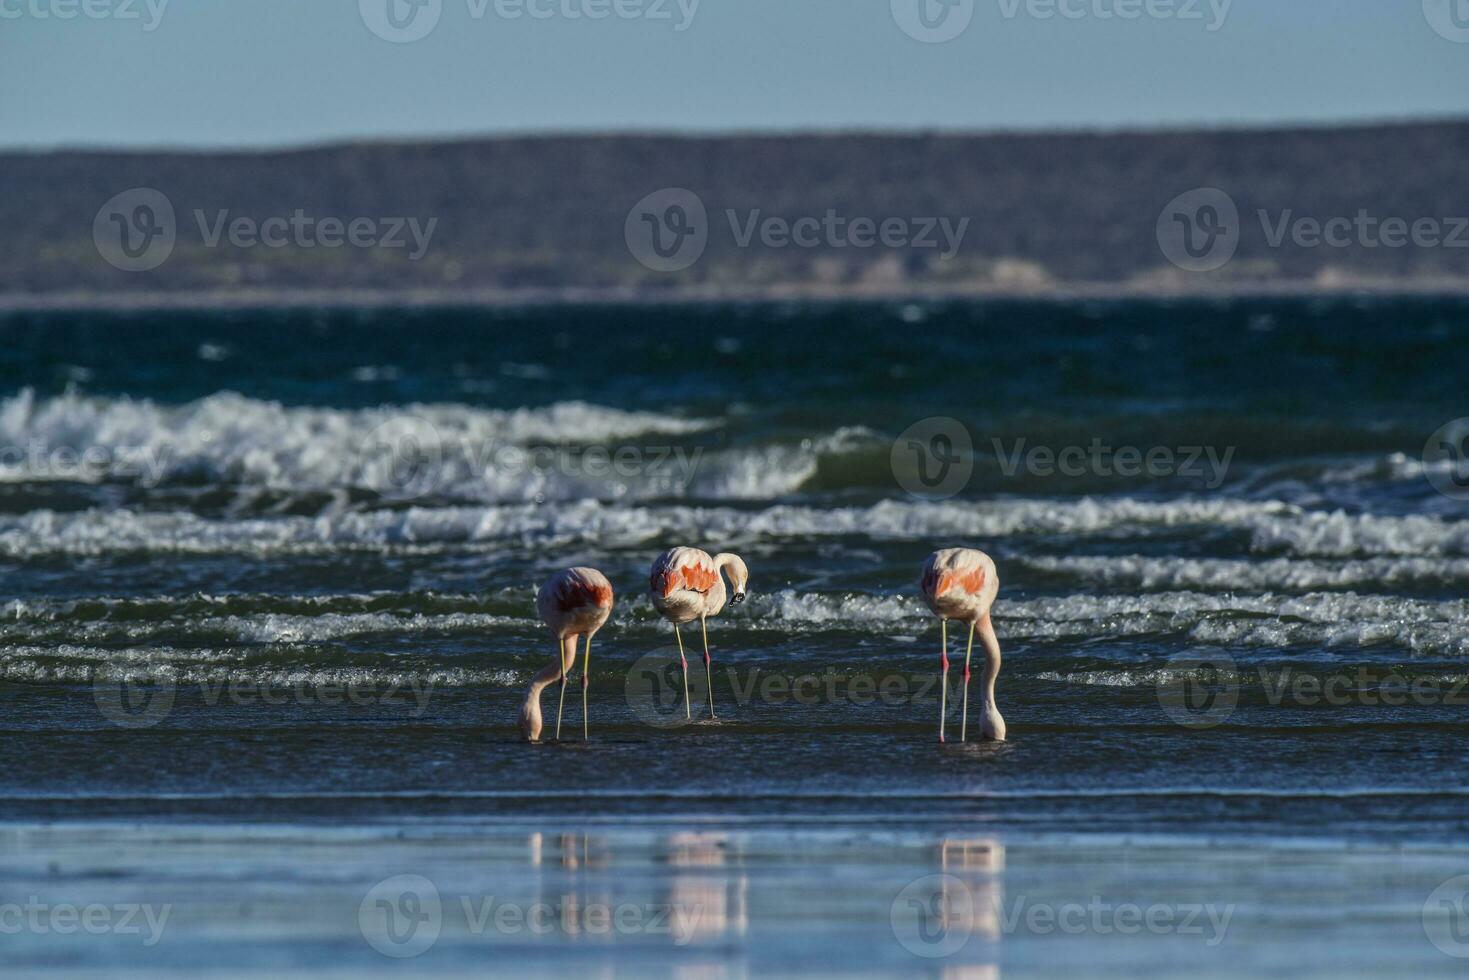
(550, 215)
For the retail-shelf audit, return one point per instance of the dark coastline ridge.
(292, 298)
(551, 219)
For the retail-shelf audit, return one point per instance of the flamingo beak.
(738, 597)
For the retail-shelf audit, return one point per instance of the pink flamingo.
(685, 585)
(961, 583)
(572, 603)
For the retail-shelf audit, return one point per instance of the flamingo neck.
(530, 708)
(733, 566)
(991, 722)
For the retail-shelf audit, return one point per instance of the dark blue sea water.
(269, 615)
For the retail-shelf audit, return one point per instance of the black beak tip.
(739, 597)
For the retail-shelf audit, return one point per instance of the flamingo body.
(575, 601)
(572, 604)
(686, 584)
(961, 584)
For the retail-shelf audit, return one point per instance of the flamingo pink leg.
(561, 704)
(586, 673)
(943, 676)
(708, 665)
(568, 661)
(688, 711)
(964, 722)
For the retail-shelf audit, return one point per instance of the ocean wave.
(1270, 526)
(73, 664)
(199, 605)
(266, 628)
(1145, 572)
(1329, 620)
(414, 450)
(1341, 535)
(1371, 678)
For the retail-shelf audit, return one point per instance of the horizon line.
(633, 133)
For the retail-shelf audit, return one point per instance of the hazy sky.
(252, 72)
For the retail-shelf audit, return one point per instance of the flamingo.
(686, 584)
(961, 583)
(572, 603)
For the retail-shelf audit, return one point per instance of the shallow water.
(670, 898)
(272, 574)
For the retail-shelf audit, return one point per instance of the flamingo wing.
(577, 590)
(683, 568)
(945, 572)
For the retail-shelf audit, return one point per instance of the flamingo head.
(739, 575)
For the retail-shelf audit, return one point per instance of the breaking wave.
(1266, 527)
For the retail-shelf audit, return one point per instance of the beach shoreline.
(274, 298)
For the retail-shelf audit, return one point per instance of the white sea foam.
(1338, 534)
(1158, 573)
(72, 663)
(280, 648)
(1154, 676)
(1271, 526)
(273, 628)
(1328, 619)
(475, 453)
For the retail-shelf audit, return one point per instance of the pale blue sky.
(269, 72)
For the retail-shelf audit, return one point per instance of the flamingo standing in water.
(961, 583)
(572, 603)
(686, 584)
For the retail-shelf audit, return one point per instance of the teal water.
(270, 613)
